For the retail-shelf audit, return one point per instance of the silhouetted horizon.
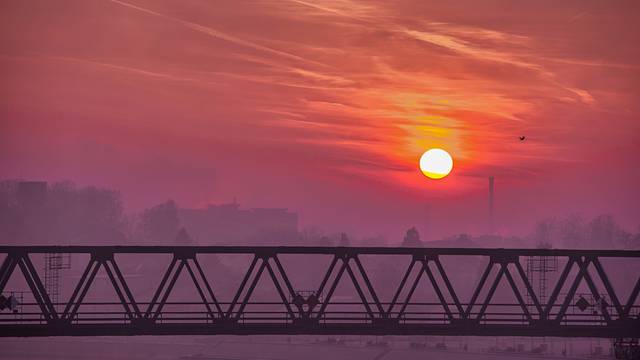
(32, 205)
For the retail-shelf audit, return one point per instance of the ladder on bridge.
(53, 264)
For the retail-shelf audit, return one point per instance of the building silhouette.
(230, 225)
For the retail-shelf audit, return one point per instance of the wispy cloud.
(466, 48)
(219, 34)
(363, 80)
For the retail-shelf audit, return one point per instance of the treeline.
(64, 214)
(578, 232)
(67, 214)
(72, 215)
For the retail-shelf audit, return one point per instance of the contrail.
(219, 34)
(330, 10)
(126, 69)
(323, 8)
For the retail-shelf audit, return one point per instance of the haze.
(325, 107)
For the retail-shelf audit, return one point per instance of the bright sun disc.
(436, 163)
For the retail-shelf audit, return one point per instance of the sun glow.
(436, 163)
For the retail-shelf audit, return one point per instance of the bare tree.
(412, 238)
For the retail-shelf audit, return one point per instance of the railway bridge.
(591, 293)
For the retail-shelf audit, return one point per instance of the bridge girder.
(309, 313)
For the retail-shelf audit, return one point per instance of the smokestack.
(490, 204)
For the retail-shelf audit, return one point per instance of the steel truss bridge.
(471, 309)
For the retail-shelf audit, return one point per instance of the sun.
(436, 163)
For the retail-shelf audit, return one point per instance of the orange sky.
(326, 106)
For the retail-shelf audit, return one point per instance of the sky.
(324, 107)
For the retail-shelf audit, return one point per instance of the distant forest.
(73, 215)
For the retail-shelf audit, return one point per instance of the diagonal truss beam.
(278, 277)
(107, 261)
(556, 290)
(532, 294)
(21, 260)
(310, 315)
(425, 269)
(37, 288)
(609, 287)
(447, 283)
(583, 274)
(632, 298)
(492, 290)
(200, 280)
(8, 265)
(514, 287)
(345, 259)
(503, 271)
(122, 289)
(81, 289)
(478, 289)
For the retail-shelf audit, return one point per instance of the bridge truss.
(466, 289)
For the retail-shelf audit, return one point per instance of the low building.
(227, 224)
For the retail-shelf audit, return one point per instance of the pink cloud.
(340, 96)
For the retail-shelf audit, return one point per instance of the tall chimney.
(491, 205)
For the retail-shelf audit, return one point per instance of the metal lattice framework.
(319, 311)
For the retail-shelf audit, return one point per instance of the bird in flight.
(522, 138)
